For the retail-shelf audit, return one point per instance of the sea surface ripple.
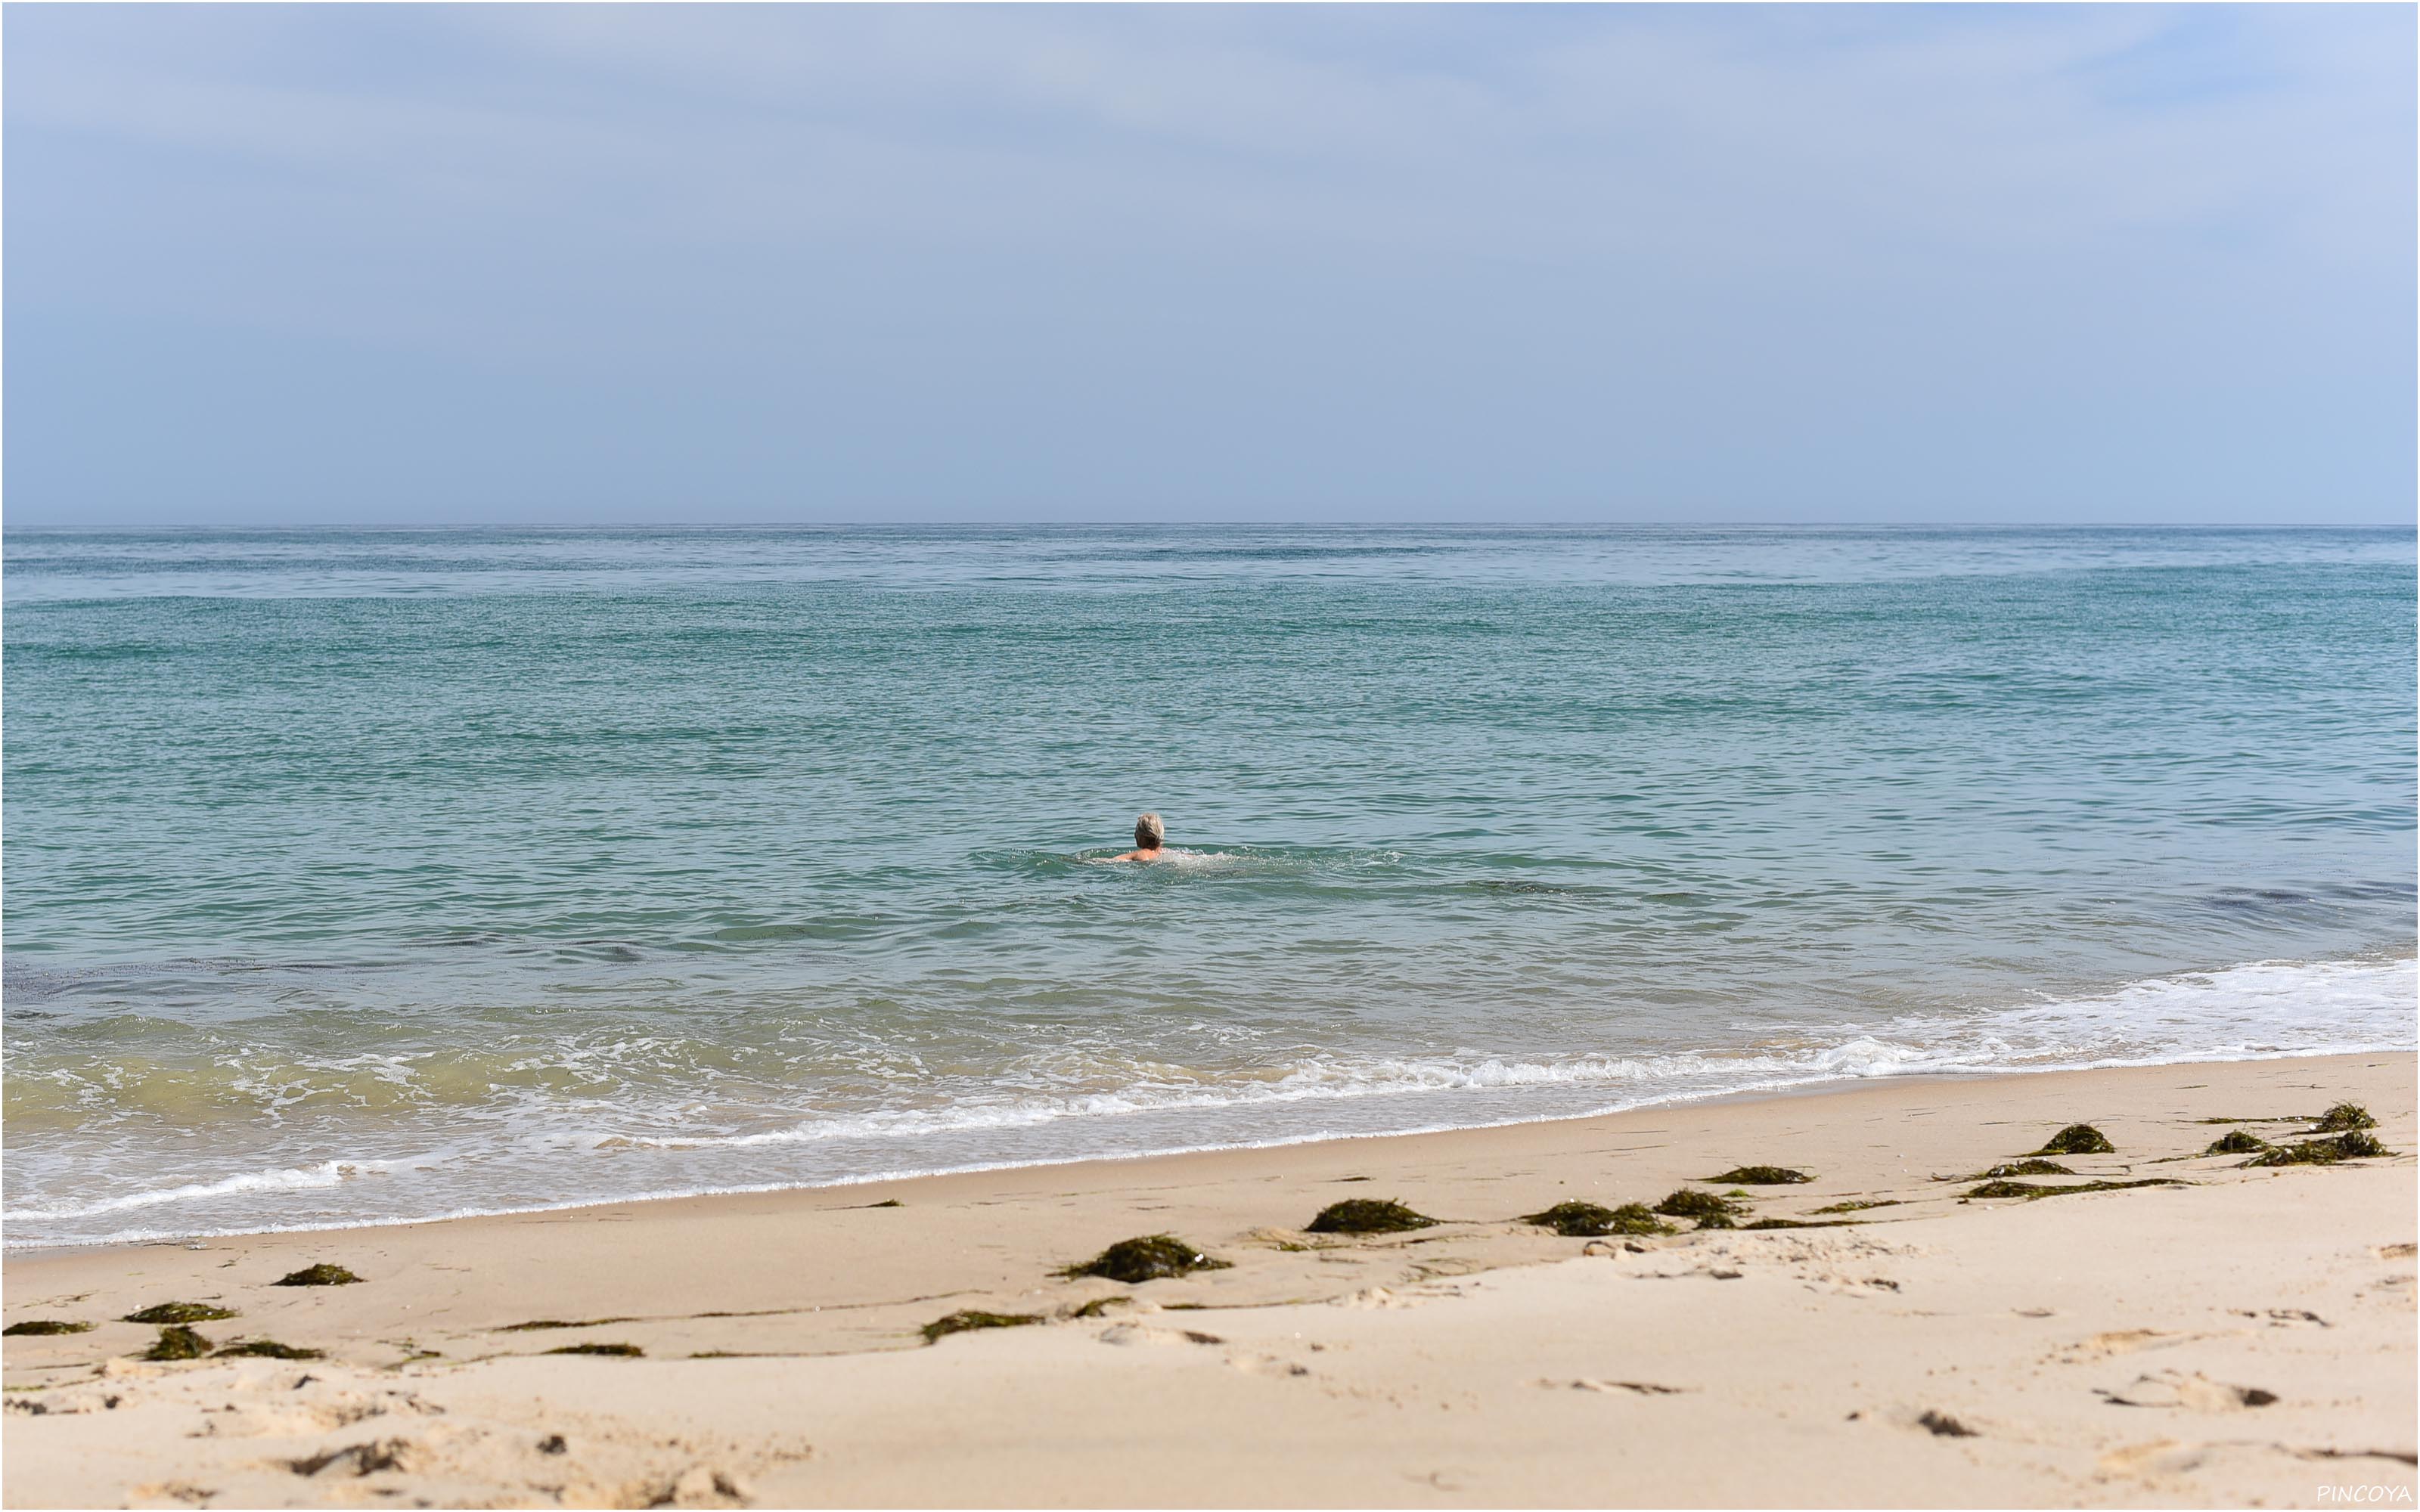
(360, 876)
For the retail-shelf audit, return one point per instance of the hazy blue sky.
(411, 264)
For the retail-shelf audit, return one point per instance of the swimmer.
(1151, 841)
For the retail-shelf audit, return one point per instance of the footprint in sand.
(1130, 1334)
(1266, 1365)
(2124, 1341)
(2160, 1457)
(2196, 1391)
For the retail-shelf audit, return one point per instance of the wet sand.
(2244, 1338)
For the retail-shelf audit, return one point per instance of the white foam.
(292, 1179)
(2257, 1011)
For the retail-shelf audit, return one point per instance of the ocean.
(361, 876)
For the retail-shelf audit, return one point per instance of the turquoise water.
(360, 876)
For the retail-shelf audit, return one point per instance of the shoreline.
(1818, 1086)
(2219, 1336)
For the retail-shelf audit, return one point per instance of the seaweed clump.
(271, 1350)
(1709, 1209)
(1860, 1206)
(1760, 1176)
(44, 1327)
(967, 1322)
(619, 1351)
(2029, 1192)
(177, 1342)
(535, 1324)
(2344, 1147)
(1585, 1220)
(2077, 1139)
(180, 1311)
(1134, 1261)
(2343, 1118)
(2237, 1142)
(1365, 1215)
(2022, 1168)
(1794, 1223)
(321, 1275)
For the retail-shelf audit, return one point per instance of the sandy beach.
(2245, 1337)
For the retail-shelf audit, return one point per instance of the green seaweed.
(886, 1202)
(44, 1327)
(271, 1350)
(180, 1311)
(1583, 1220)
(2344, 1118)
(1134, 1261)
(177, 1342)
(965, 1322)
(1718, 1220)
(1365, 1215)
(2077, 1139)
(1860, 1206)
(1702, 1206)
(2344, 1147)
(1761, 1176)
(321, 1275)
(2029, 1192)
(1794, 1223)
(536, 1323)
(2020, 1167)
(619, 1351)
(2237, 1142)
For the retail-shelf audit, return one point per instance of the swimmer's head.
(1149, 834)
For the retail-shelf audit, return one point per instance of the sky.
(562, 264)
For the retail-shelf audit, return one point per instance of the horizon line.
(1204, 524)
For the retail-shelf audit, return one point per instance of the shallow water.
(358, 876)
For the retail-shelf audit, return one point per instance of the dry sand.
(2245, 1339)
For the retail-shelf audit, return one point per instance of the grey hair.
(1150, 832)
